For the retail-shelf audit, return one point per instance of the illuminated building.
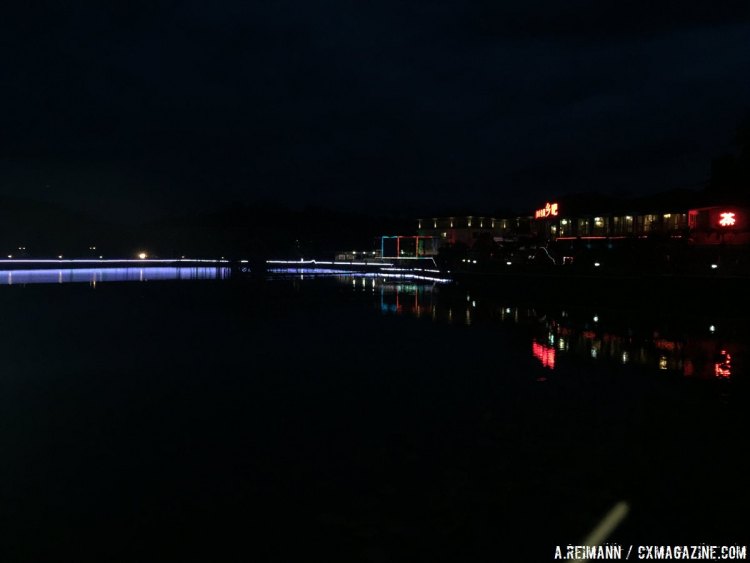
(467, 229)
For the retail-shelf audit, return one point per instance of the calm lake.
(182, 416)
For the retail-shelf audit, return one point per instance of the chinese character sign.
(549, 210)
(727, 219)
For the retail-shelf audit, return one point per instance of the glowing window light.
(728, 219)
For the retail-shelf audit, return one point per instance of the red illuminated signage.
(727, 219)
(549, 210)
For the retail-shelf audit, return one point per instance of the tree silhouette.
(730, 173)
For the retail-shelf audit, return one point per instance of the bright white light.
(597, 264)
(712, 328)
(475, 261)
(507, 311)
(142, 255)
(473, 303)
(714, 266)
(60, 256)
(596, 318)
(508, 263)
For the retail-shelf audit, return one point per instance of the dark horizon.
(140, 109)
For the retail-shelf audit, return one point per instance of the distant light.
(473, 303)
(100, 257)
(597, 264)
(712, 329)
(142, 255)
(475, 261)
(625, 358)
(10, 256)
(508, 263)
(60, 256)
(714, 266)
(596, 318)
(507, 310)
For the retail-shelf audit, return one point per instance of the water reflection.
(95, 275)
(545, 354)
(615, 337)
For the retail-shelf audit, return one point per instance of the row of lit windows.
(462, 222)
(588, 226)
(620, 225)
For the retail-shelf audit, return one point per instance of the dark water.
(351, 420)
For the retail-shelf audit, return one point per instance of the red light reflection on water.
(543, 353)
(723, 368)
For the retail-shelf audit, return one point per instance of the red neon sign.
(550, 209)
(728, 219)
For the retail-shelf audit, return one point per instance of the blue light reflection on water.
(95, 275)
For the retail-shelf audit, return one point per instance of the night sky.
(154, 105)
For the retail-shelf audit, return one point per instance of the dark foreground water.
(351, 420)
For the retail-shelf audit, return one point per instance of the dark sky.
(154, 104)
